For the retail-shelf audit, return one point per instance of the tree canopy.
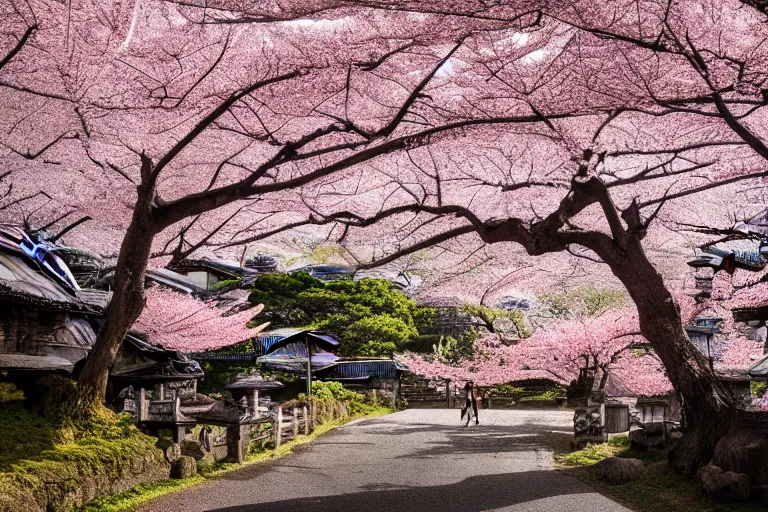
(595, 133)
(370, 317)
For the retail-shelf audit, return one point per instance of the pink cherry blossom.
(181, 322)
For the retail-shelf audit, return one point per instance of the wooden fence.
(287, 424)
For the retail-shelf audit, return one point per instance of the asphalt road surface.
(420, 460)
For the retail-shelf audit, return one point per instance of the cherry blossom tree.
(579, 130)
(169, 117)
(561, 351)
(181, 322)
(696, 77)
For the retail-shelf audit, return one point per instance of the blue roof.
(320, 339)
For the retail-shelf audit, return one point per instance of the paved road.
(418, 460)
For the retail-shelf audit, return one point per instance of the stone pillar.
(237, 443)
(178, 432)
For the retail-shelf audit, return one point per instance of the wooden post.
(140, 409)
(306, 420)
(309, 369)
(253, 403)
(312, 412)
(448, 392)
(397, 391)
(295, 412)
(278, 427)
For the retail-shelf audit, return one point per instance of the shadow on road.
(474, 494)
(490, 439)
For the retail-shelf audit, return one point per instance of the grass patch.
(660, 488)
(131, 500)
(592, 454)
(139, 495)
(25, 434)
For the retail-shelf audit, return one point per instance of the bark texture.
(127, 295)
(708, 406)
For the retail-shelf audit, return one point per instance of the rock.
(744, 450)
(618, 471)
(193, 449)
(173, 453)
(723, 486)
(185, 467)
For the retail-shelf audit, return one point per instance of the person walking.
(470, 404)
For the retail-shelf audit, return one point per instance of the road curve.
(420, 460)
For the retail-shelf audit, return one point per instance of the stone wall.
(63, 486)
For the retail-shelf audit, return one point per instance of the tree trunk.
(708, 406)
(127, 296)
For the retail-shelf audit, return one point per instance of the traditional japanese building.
(49, 323)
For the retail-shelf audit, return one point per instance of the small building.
(50, 324)
(44, 326)
(207, 273)
(703, 334)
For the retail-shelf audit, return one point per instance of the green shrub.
(621, 441)
(334, 391)
(10, 393)
(546, 395)
(758, 388)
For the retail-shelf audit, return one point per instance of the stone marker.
(173, 453)
(185, 467)
(193, 449)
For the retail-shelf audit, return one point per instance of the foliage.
(181, 322)
(591, 454)
(278, 293)
(334, 391)
(494, 319)
(80, 414)
(583, 301)
(356, 403)
(505, 390)
(225, 283)
(546, 395)
(370, 316)
(129, 501)
(218, 374)
(9, 393)
(46, 453)
(758, 388)
(621, 441)
(63, 420)
(454, 350)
